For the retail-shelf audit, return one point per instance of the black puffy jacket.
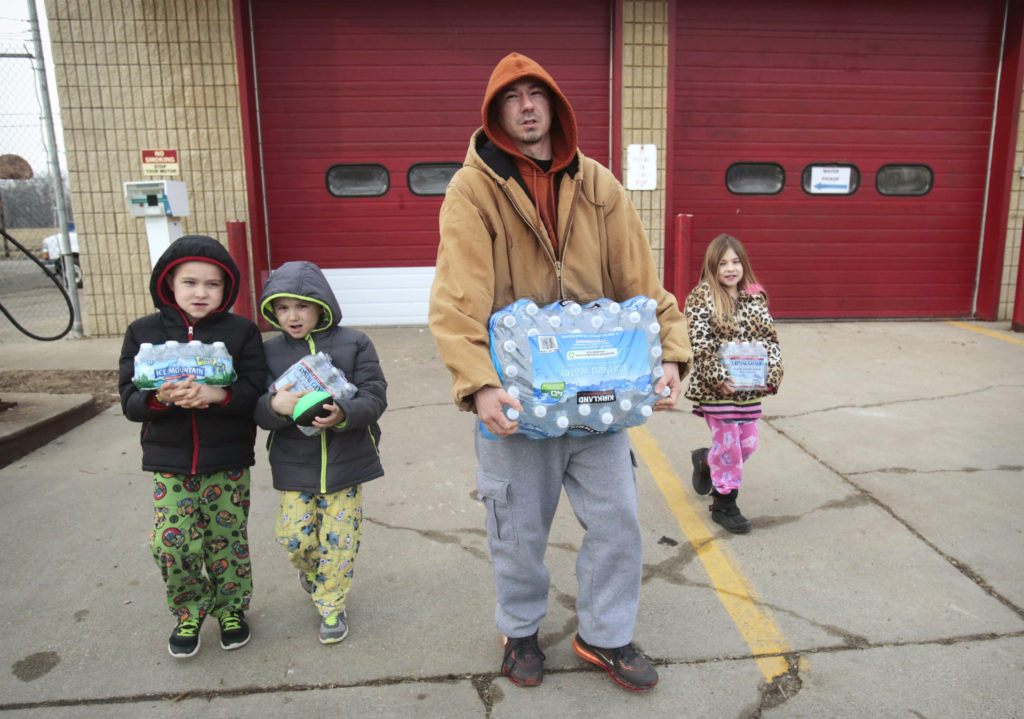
(195, 441)
(343, 456)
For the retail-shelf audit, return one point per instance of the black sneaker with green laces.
(234, 632)
(184, 641)
(625, 665)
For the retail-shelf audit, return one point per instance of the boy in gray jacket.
(320, 476)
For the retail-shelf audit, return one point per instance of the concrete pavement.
(883, 575)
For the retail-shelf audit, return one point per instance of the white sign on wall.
(830, 180)
(642, 167)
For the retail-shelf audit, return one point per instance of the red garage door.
(374, 90)
(869, 122)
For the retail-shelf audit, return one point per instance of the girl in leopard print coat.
(727, 305)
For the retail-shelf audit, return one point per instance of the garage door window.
(755, 178)
(900, 180)
(431, 178)
(358, 180)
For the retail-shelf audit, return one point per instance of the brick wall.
(644, 104)
(1014, 227)
(166, 72)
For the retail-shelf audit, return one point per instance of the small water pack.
(173, 361)
(578, 369)
(746, 363)
(315, 372)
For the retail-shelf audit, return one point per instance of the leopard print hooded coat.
(753, 322)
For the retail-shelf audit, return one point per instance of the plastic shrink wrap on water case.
(174, 361)
(315, 372)
(578, 369)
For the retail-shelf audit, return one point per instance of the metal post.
(681, 256)
(1017, 325)
(240, 254)
(58, 185)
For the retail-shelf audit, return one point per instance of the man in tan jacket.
(529, 216)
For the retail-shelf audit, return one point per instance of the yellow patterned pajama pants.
(322, 534)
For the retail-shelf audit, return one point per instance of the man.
(529, 215)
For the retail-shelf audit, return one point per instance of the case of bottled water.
(315, 372)
(578, 369)
(174, 361)
(746, 363)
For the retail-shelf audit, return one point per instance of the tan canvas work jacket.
(494, 250)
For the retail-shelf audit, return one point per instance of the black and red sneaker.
(627, 667)
(523, 663)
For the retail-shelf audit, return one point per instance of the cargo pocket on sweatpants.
(493, 491)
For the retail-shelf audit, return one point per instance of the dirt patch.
(100, 383)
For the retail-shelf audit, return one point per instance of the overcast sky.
(22, 131)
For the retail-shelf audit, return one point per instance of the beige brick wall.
(1014, 227)
(644, 104)
(135, 75)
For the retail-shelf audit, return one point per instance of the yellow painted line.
(756, 625)
(990, 333)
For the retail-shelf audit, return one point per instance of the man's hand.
(671, 380)
(489, 403)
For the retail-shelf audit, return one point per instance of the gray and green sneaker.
(306, 582)
(333, 627)
(184, 641)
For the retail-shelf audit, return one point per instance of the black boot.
(725, 512)
(701, 471)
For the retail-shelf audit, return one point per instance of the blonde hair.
(724, 305)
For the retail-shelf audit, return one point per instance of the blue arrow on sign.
(823, 186)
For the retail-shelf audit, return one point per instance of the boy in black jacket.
(198, 441)
(320, 476)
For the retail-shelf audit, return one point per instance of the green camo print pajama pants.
(201, 523)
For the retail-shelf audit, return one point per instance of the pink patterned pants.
(731, 444)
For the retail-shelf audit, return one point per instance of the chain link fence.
(33, 289)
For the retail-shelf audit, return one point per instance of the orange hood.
(512, 68)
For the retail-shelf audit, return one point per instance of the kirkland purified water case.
(578, 369)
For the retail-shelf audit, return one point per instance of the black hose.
(56, 280)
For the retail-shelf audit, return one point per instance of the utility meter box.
(156, 198)
(162, 203)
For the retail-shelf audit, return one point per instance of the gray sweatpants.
(520, 481)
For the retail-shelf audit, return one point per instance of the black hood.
(193, 248)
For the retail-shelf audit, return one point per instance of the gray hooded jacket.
(345, 455)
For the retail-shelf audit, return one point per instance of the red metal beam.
(258, 252)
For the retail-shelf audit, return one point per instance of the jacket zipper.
(565, 237)
(195, 441)
(323, 435)
(536, 233)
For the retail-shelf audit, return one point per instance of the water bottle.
(224, 363)
(145, 362)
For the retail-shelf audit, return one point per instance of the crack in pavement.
(890, 403)
(963, 470)
(960, 566)
(491, 693)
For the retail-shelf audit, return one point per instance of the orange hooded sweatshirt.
(540, 184)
